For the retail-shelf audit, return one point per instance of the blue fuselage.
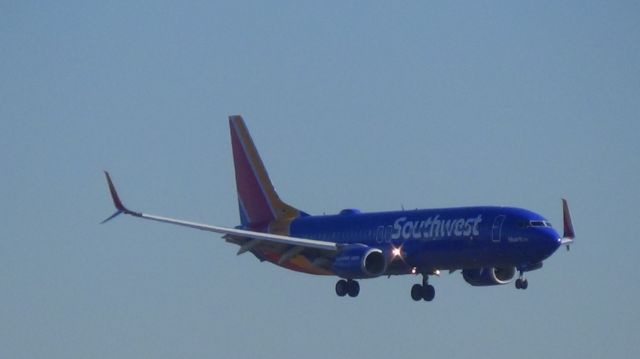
(440, 239)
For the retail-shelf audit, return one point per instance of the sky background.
(364, 104)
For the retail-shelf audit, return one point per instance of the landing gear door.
(496, 228)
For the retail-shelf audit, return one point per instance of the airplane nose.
(546, 243)
(552, 240)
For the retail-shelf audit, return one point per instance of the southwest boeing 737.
(489, 245)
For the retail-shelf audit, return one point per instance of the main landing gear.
(350, 287)
(423, 291)
(522, 282)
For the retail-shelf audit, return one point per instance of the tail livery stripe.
(251, 193)
(244, 219)
(259, 201)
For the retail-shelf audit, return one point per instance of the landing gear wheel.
(416, 292)
(341, 288)
(353, 288)
(522, 283)
(428, 293)
(423, 291)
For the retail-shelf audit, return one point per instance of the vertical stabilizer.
(258, 200)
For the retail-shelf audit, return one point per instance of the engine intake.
(489, 276)
(359, 261)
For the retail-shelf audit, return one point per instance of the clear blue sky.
(373, 105)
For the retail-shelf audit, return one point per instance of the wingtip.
(114, 195)
(112, 217)
(569, 233)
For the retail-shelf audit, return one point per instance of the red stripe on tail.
(250, 190)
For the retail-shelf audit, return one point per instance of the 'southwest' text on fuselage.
(433, 227)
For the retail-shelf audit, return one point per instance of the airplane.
(488, 244)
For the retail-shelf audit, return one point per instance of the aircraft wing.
(275, 238)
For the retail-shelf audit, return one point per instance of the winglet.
(568, 235)
(116, 200)
(111, 217)
(114, 194)
(566, 218)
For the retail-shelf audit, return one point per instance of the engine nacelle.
(489, 276)
(359, 261)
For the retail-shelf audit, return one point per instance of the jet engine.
(359, 261)
(489, 276)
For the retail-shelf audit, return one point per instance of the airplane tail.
(259, 203)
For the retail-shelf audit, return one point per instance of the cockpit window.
(539, 224)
